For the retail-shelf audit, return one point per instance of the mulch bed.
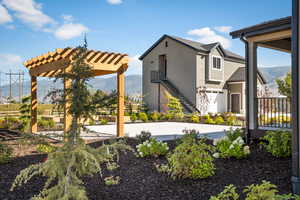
(140, 180)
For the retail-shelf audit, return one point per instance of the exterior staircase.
(173, 90)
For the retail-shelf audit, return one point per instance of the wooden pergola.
(53, 63)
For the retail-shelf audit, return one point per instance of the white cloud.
(4, 15)
(10, 26)
(114, 2)
(223, 29)
(134, 65)
(10, 62)
(206, 35)
(29, 12)
(69, 31)
(67, 18)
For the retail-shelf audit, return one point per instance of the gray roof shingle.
(196, 46)
(240, 75)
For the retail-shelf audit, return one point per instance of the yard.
(139, 178)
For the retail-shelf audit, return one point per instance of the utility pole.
(20, 76)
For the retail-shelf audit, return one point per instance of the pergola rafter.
(53, 63)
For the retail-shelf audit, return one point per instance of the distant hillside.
(273, 73)
(133, 86)
(133, 83)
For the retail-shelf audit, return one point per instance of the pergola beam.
(121, 97)
(67, 115)
(33, 123)
(52, 66)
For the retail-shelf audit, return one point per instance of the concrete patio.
(163, 130)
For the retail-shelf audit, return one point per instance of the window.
(166, 44)
(216, 63)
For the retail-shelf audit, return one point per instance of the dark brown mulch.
(140, 180)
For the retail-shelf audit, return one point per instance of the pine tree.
(25, 110)
(174, 107)
(65, 167)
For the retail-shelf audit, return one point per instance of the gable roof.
(197, 46)
(240, 76)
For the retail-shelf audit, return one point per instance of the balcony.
(155, 77)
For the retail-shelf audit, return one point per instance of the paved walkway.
(163, 130)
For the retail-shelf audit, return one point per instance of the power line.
(20, 81)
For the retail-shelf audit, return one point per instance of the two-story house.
(205, 77)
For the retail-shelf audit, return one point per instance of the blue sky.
(31, 27)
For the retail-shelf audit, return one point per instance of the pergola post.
(251, 88)
(121, 96)
(67, 115)
(295, 97)
(33, 123)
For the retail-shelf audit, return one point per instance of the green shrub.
(143, 116)
(5, 153)
(233, 134)
(279, 143)
(263, 191)
(13, 123)
(45, 148)
(194, 118)
(219, 120)
(103, 122)
(133, 117)
(191, 159)
(126, 114)
(144, 136)
(191, 135)
(154, 116)
(163, 168)
(111, 180)
(229, 193)
(92, 122)
(46, 123)
(178, 116)
(111, 166)
(232, 145)
(209, 120)
(231, 120)
(168, 116)
(153, 148)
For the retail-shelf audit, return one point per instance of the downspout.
(248, 136)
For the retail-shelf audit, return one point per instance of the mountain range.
(133, 86)
(273, 73)
(133, 83)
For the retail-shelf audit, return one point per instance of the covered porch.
(59, 61)
(282, 35)
(276, 35)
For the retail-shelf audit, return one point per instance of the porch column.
(295, 97)
(121, 94)
(33, 123)
(67, 116)
(251, 88)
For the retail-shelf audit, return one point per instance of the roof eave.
(272, 26)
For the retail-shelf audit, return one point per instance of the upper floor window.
(216, 64)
